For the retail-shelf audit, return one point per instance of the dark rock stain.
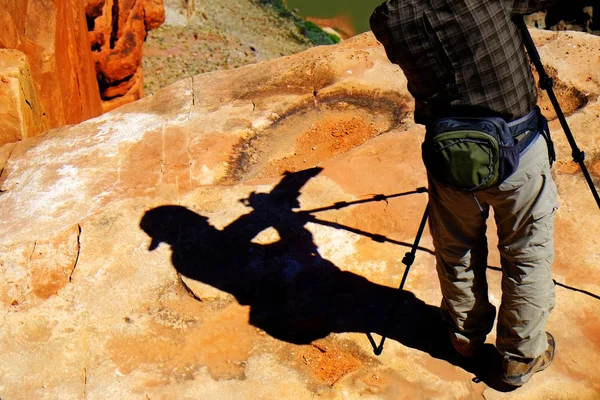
(252, 150)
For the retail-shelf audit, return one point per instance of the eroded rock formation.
(77, 74)
(162, 251)
(53, 35)
(21, 114)
(118, 29)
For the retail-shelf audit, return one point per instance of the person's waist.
(525, 123)
(526, 128)
(428, 112)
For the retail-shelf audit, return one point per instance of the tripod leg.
(546, 84)
(408, 260)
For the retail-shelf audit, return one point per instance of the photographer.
(486, 146)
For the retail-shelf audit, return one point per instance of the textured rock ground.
(159, 251)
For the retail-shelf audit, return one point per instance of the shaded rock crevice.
(31, 254)
(11, 148)
(77, 252)
(114, 34)
(85, 379)
(187, 288)
(193, 95)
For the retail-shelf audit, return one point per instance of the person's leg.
(458, 227)
(524, 215)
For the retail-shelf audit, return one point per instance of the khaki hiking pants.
(524, 208)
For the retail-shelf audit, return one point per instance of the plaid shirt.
(461, 57)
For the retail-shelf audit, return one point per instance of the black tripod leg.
(546, 84)
(408, 260)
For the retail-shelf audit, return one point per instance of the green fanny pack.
(478, 153)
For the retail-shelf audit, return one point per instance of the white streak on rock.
(206, 176)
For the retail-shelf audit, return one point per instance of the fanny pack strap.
(525, 129)
(545, 132)
(532, 124)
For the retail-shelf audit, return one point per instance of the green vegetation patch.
(312, 32)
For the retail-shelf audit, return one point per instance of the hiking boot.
(463, 347)
(517, 371)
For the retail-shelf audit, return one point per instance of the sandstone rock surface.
(20, 109)
(161, 251)
(118, 29)
(53, 35)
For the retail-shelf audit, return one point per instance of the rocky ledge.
(237, 235)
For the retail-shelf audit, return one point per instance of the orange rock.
(53, 35)
(117, 35)
(154, 13)
(20, 112)
(124, 93)
(93, 8)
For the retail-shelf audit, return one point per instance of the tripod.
(546, 84)
(408, 260)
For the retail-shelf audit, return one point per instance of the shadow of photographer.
(294, 293)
